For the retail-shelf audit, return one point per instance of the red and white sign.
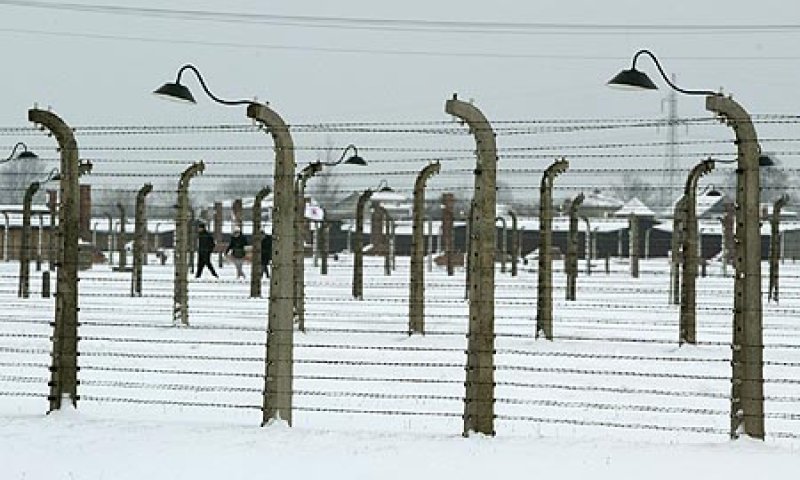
(315, 212)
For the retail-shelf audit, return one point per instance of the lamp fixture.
(25, 154)
(633, 79)
(178, 92)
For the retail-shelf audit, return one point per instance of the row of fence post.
(746, 396)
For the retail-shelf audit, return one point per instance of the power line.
(415, 25)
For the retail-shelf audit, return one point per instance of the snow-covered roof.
(561, 224)
(17, 207)
(598, 200)
(635, 207)
(388, 196)
(714, 227)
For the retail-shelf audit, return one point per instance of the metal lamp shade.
(175, 92)
(632, 80)
(27, 155)
(356, 160)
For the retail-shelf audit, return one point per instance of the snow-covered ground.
(613, 396)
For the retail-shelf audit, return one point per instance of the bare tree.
(775, 181)
(634, 186)
(17, 175)
(325, 186)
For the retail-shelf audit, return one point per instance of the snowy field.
(613, 396)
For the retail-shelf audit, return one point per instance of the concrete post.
(122, 238)
(255, 252)
(39, 243)
(468, 247)
(688, 320)
(676, 246)
(85, 211)
(430, 244)
(503, 243)
(64, 366)
(588, 246)
(358, 248)
(728, 244)
(110, 240)
(315, 248)
(6, 228)
(747, 391)
(775, 247)
(416, 293)
(236, 214)
(24, 243)
(387, 240)
(191, 239)
(299, 241)
(479, 398)
(218, 230)
(447, 231)
(279, 367)
(392, 238)
(571, 262)
(324, 245)
(514, 243)
(633, 244)
(139, 245)
(377, 234)
(544, 304)
(52, 205)
(180, 298)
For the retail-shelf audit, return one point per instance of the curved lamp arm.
(23, 155)
(54, 174)
(354, 159)
(179, 91)
(638, 80)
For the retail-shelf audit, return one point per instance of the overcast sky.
(98, 68)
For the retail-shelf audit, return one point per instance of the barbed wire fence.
(614, 365)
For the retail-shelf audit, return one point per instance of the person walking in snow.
(266, 253)
(205, 246)
(236, 248)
